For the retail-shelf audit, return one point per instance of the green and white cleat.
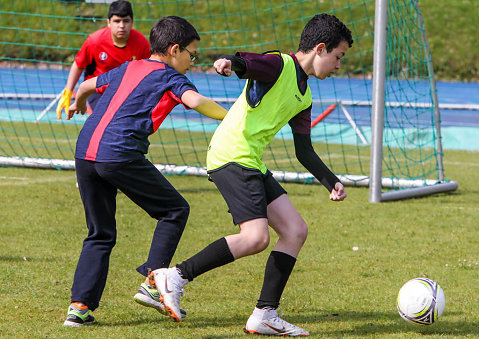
(78, 317)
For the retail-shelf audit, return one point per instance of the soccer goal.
(375, 124)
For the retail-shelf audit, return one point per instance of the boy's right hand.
(77, 107)
(338, 193)
(223, 67)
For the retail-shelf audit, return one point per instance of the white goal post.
(379, 75)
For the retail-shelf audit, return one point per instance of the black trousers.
(140, 181)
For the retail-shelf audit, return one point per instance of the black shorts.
(247, 191)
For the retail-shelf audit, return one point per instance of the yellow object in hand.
(64, 102)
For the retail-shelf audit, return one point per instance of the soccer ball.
(421, 301)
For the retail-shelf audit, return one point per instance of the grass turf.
(334, 292)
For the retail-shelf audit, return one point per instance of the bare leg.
(253, 238)
(288, 224)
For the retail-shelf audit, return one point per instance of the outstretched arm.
(203, 105)
(73, 76)
(228, 64)
(86, 88)
(64, 102)
(313, 163)
(254, 66)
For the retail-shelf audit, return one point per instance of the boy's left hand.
(223, 67)
(338, 193)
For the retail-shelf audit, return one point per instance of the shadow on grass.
(382, 323)
(370, 323)
(190, 322)
(460, 328)
(189, 326)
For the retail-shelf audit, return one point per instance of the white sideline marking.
(29, 181)
(13, 178)
(455, 163)
(462, 208)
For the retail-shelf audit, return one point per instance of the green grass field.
(334, 292)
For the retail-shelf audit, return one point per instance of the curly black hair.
(324, 28)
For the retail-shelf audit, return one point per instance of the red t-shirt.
(98, 54)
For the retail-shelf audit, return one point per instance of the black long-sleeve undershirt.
(312, 162)
(238, 65)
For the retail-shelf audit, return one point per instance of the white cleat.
(267, 322)
(170, 286)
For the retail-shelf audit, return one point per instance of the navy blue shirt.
(136, 98)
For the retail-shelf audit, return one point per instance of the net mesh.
(40, 38)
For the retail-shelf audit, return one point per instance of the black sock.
(214, 255)
(278, 269)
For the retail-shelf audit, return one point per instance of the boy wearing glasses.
(110, 155)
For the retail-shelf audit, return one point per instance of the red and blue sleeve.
(103, 80)
(181, 84)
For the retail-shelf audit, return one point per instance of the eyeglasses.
(193, 57)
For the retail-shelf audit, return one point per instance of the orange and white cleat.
(170, 284)
(149, 296)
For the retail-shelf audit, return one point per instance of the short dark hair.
(324, 28)
(171, 30)
(120, 8)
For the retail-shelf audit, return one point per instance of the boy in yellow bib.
(275, 94)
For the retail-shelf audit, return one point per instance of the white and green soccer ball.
(421, 301)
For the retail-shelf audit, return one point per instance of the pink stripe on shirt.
(134, 74)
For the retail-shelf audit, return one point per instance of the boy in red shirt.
(104, 50)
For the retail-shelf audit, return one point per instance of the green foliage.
(55, 30)
(334, 292)
(452, 34)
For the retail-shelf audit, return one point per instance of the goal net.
(41, 37)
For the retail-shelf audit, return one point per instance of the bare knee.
(297, 233)
(256, 242)
(301, 232)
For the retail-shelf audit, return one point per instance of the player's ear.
(173, 49)
(108, 22)
(320, 48)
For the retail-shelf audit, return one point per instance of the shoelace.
(178, 287)
(279, 320)
(283, 323)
